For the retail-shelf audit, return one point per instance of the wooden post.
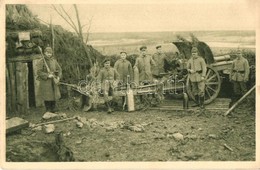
(12, 87)
(38, 98)
(240, 100)
(21, 86)
(8, 91)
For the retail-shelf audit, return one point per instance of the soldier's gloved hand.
(202, 78)
(50, 76)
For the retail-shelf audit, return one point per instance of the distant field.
(113, 43)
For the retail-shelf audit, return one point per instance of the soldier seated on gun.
(108, 77)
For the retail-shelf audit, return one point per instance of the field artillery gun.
(218, 67)
(172, 82)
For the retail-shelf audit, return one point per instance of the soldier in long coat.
(143, 64)
(159, 58)
(49, 90)
(124, 68)
(239, 76)
(197, 71)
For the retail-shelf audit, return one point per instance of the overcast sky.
(159, 15)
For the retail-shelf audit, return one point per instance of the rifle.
(55, 77)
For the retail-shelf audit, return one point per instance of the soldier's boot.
(112, 104)
(54, 107)
(108, 107)
(47, 106)
(202, 106)
(197, 101)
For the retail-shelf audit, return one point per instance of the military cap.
(49, 49)
(158, 46)
(239, 51)
(123, 52)
(106, 60)
(143, 47)
(194, 49)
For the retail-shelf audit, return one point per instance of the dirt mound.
(31, 151)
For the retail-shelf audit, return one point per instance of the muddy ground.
(142, 136)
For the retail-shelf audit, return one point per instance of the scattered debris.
(49, 115)
(213, 136)
(136, 128)
(159, 136)
(79, 124)
(227, 147)
(138, 142)
(80, 140)
(193, 137)
(176, 136)
(49, 128)
(38, 128)
(62, 115)
(55, 121)
(200, 129)
(67, 134)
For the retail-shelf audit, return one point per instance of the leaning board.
(15, 124)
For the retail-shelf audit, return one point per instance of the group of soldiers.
(148, 67)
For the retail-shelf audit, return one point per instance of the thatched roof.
(67, 47)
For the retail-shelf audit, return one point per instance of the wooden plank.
(38, 98)
(13, 89)
(24, 58)
(21, 86)
(8, 91)
(15, 124)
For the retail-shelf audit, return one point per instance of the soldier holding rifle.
(49, 73)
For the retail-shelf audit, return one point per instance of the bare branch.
(68, 16)
(79, 24)
(90, 23)
(60, 14)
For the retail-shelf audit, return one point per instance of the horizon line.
(168, 31)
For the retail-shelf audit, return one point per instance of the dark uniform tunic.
(107, 77)
(239, 75)
(124, 68)
(199, 66)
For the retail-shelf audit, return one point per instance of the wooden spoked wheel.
(212, 85)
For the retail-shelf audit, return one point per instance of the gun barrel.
(222, 58)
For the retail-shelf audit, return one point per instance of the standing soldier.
(239, 76)
(49, 73)
(124, 68)
(197, 70)
(108, 77)
(159, 58)
(143, 64)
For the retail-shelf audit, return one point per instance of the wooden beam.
(24, 58)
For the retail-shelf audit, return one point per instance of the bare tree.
(76, 26)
